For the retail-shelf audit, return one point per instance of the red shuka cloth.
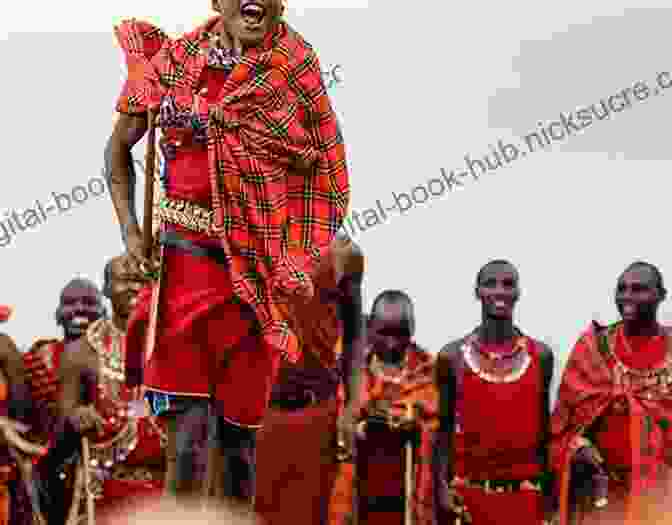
(273, 218)
(381, 465)
(296, 453)
(589, 389)
(502, 425)
(198, 322)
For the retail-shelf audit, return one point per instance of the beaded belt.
(186, 214)
(499, 485)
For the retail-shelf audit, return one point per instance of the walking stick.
(90, 506)
(150, 159)
(148, 236)
(410, 478)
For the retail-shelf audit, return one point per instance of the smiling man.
(255, 188)
(490, 453)
(611, 424)
(53, 392)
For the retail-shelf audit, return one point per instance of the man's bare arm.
(11, 361)
(120, 171)
(351, 315)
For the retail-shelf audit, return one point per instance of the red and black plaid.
(277, 158)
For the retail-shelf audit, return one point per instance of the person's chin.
(500, 314)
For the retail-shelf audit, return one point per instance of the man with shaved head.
(490, 458)
(611, 424)
(56, 392)
(396, 381)
(129, 458)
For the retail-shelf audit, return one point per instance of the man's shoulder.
(45, 345)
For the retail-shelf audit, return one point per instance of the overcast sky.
(423, 86)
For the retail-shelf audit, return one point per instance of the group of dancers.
(237, 366)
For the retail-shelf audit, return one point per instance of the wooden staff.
(150, 159)
(90, 505)
(410, 478)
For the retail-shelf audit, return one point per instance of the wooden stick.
(90, 505)
(150, 158)
(408, 518)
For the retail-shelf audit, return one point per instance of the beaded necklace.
(494, 367)
(658, 376)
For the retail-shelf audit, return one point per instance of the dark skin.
(80, 362)
(389, 332)
(80, 304)
(498, 290)
(124, 288)
(21, 413)
(638, 297)
(236, 31)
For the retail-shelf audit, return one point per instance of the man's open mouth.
(253, 12)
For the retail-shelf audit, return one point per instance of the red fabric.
(612, 441)
(42, 362)
(277, 116)
(198, 329)
(381, 456)
(199, 324)
(521, 508)
(5, 313)
(514, 409)
(296, 467)
(588, 390)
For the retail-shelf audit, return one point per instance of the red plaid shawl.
(417, 388)
(588, 388)
(275, 220)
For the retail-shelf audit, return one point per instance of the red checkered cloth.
(277, 160)
(588, 388)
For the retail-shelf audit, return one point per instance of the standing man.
(490, 454)
(256, 187)
(56, 393)
(128, 460)
(396, 381)
(612, 421)
(16, 453)
(298, 446)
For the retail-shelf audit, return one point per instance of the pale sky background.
(423, 85)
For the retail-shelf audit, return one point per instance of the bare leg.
(231, 465)
(187, 452)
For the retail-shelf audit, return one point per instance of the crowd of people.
(237, 369)
(365, 427)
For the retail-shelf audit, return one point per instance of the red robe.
(296, 453)
(627, 418)
(137, 440)
(273, 218)
(491, 447)
(380, 471)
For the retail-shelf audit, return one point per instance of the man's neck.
(646, 328)
(496, 331)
